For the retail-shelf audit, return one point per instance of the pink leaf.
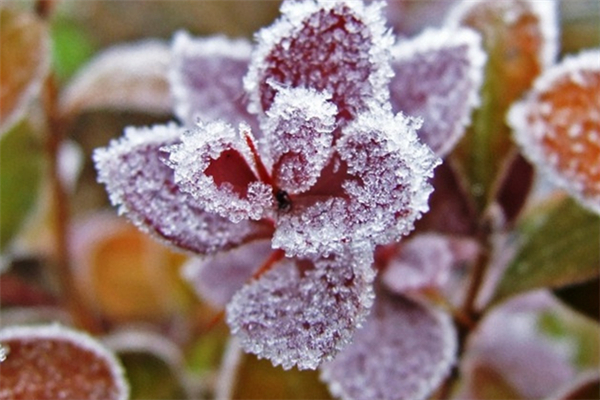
(53, 362)
(334, 46)
(438, 75)
(217, 278)
(404, 351)
(303, 311)
(143, 187)
(299, 130)
(213, 164)
(206, 79)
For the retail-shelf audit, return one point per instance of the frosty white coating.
(78, 339)
(403, 352)
(438, 75)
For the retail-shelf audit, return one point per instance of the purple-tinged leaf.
(452, 210)
(215, 166)
(124, 77)
(207, 79)
(53, 362)
(558, 126)
(514, 187)
(299, 132)
(302, 312)
(426, 261)
(142, 185)
(585, 387)
(403, 351)
(334, 46)
(24, 62)
(438, 75)
(217, 278)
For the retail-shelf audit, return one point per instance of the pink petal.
(334, 46)
(299, 130)
(438, 75)
(207, 79)
(217, 278)
(143, 187)
(212, 163)
(404, 351)
(558, 126)
(302, 312)
(52, 362)
(426, 260)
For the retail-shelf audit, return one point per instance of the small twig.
(228, 374)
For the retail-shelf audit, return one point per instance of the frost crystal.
(299, 131)
(206, 79)
(334, 46)
(558, 126)
(144, 189)
(437, 77)
(213, 165)
(403, 351)
(303, 311)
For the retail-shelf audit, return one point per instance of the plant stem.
(228, 373)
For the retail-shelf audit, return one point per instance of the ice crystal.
(334, 46)
(437, 77)
(143, 187)
(558, 126)
(303, 310)
(403, 351)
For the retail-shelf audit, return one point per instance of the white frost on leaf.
(403, 352)
(299, 132)
(48, 361)
(438, 75)
(217, 278)
(557, 126)
(334, 46)
(142, 186)
(214, 165)
(124, 77)
(302, 312)
(206, 78)
(390, 169)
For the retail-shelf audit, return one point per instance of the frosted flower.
(295, 149)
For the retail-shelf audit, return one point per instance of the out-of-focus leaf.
(53, 362)
(205, 353)
(518, 38)
(583, 297)
(21, 163)
(258, 379)
(559, 246)
(580, 25)
(24, 62)
(586, 387)
(150, 377)
(123, 77)
(125, 274)
(71, 47)
(514, 187)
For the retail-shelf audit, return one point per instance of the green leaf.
(71, 48)
(24, 62)
(559, 246)
(21, 165)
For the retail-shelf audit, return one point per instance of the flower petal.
(212, 164)
(217, 278)
(558, 126)
(334, 46)
(299, 130)
(403, 351)
(303, 311)
(438, 75)
(207, 79)
(139, 182)
(52, 362)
